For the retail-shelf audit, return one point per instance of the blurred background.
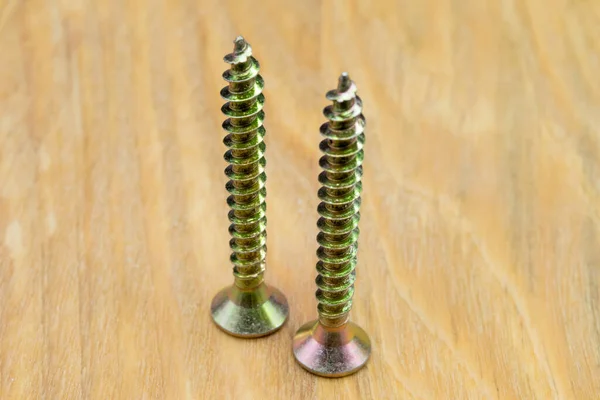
(479, 262)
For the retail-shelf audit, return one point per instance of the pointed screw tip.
(344, 82)
(240, 44)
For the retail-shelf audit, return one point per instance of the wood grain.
(479, 273)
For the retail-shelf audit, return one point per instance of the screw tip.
(345, 90)
(241, 51)
(344, 82)
(239, 45)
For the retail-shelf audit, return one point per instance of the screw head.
(331, 352)
(249, 312)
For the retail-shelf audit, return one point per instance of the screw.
(248, 308)
(332, 346)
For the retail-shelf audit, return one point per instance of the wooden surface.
(479, 273)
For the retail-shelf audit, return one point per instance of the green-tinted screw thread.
(340, 202)
(246, 169)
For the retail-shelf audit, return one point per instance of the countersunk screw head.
(331, 352)
(249, 313)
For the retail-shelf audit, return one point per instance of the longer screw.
(333, 346)
(248, 308)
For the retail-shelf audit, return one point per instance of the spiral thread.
(246, 169)
(339, 209)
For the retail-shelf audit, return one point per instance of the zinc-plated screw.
(333, 346)
(248, 308)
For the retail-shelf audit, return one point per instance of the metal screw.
(333, 346)
(248, 308)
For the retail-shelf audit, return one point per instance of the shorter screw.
(249, 307)
(332, 346)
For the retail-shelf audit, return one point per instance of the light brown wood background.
(479, 272)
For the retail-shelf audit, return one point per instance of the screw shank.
(246, 169)
(340, 203)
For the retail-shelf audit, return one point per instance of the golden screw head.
(331, 351)
(249, 313)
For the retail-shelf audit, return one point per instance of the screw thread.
(340, 202)
(246, 169)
